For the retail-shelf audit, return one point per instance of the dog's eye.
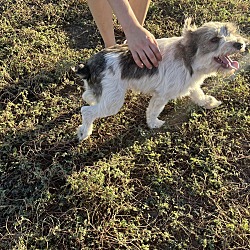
(215, 39)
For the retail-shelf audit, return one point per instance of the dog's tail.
(82, 71)
(91, 94)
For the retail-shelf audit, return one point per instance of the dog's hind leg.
(89, 97)
(155, 107)
(207, 101)
(110, 103)
(88, 117)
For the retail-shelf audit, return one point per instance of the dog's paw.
(155, 123)
(211, 102)
(83, 132)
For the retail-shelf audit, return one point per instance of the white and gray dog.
(187, 61)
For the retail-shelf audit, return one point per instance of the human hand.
(143, 46)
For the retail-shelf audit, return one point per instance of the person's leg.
(103, 16)
(140, 8)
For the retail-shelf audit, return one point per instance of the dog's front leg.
(155, 107)
(207, 101)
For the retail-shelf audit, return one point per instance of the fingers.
(153, 53)
(144, 47)
(149, 56)
(137, 59)
(156, 51)
(142, 59)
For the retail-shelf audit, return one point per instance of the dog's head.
(211, 45)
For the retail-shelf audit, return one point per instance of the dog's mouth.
(227, 63)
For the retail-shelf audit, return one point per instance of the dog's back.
(115, 66)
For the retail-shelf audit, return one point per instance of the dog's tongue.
(230, 63)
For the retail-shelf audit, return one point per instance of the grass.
(185, 186)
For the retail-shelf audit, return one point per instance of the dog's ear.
(189, 44)
(188, 26)
(190, 37)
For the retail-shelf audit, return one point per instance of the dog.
(187, 61)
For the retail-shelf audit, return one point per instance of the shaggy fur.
(187, 61)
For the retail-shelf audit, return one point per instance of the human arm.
(141, 42)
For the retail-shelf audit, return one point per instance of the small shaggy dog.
(187, 61)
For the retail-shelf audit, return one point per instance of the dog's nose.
(238, 45)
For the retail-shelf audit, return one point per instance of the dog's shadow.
(26, 152)
(35, 165)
